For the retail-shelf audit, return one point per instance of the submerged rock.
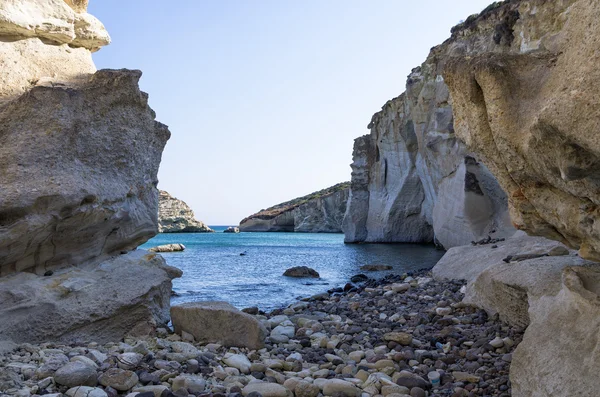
(301, 271)
(175, 216)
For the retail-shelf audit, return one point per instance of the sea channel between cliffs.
(490, 154)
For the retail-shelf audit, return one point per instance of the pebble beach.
(403, 335)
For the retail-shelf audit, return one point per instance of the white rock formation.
(175, 216)
(413, 181)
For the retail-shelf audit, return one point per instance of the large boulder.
(100, 303)
(467, 262)
(560, 351)
(175, 216)
(87, 190)
(218, 322)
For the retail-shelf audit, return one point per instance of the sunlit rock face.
(529, 106)
(79, 155)
(414, 181)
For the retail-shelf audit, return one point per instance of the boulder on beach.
(301, 271)
(127, 294)
(168, 248)
(232, 229)
(218, 322)
(375, 267)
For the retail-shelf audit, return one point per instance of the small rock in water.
(301, 271)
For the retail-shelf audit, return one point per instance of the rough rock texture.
(86, 189)
(88, 302)
(218, 322)
(319, 212)
(555, 296)
(566, 325)
(468, 262)
(301, 271)
(414, 181)
(175, 216)
(79, 155)
(528, 104)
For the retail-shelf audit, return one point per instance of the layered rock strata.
(175, 216)
(319, 212)
(79, 155)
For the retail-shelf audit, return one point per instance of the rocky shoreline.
(381, 338)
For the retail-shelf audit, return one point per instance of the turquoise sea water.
(213, 268)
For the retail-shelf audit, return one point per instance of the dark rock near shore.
(301, 271)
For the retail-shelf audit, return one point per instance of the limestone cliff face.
(79, 155)
(412, 178)
(175, 216)
(529, 106)
(319, 212)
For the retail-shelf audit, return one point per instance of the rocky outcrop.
(556, 295)
(175, 216)
(79, 155)
(232, 229)
(176, 247)
(414, 181)
(523, 87)
(319, 212)
(528, 104)
(127, 294)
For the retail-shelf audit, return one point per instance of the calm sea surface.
(213, 268)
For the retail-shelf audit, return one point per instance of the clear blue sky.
(265, 97)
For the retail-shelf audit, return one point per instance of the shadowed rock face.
(531, 109)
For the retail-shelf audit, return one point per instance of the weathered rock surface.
(168, 248)
(319, 212)
(232, 229)
(129, 293)
(528, 104)
(554, 296)
(414, 181)
(175, 216)
(468, 262)
(218, 322)
(566, 324)
(79, 155)
(85, 191)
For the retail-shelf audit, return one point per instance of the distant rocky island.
(175, 216)
(318, 212)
